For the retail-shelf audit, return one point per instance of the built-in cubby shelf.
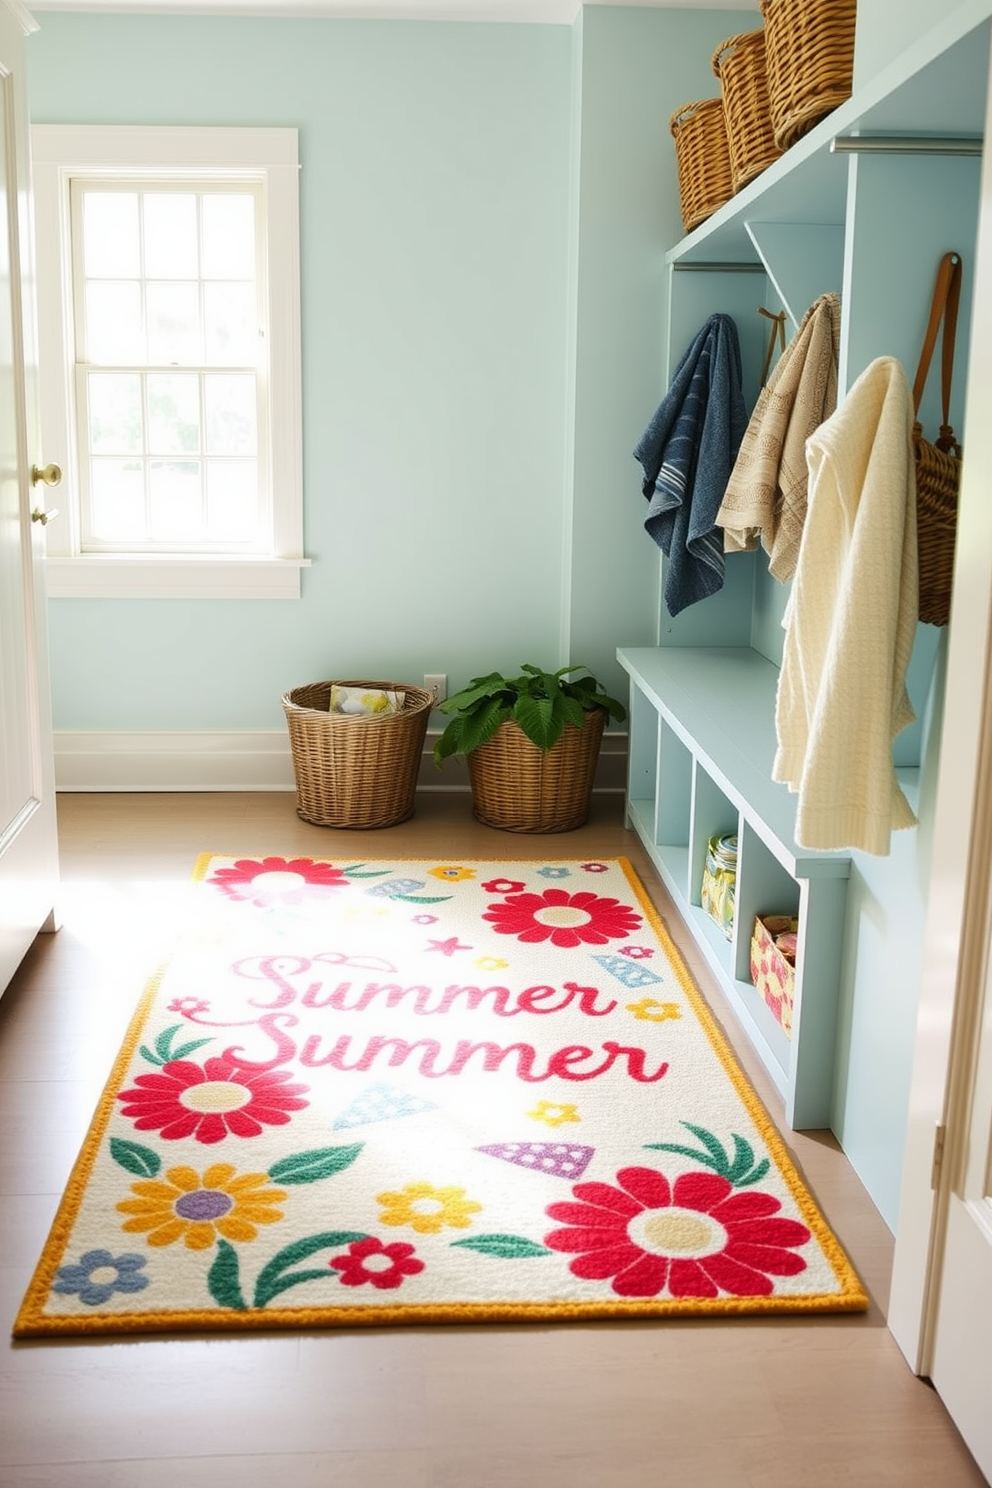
(702, 745)
(840, 211)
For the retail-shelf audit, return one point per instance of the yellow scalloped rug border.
(846, 1293)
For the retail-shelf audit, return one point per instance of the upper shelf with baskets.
(934, 91)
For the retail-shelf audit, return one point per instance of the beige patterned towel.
(766, 494)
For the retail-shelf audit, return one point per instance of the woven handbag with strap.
(938, 463)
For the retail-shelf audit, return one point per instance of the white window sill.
(137, 577)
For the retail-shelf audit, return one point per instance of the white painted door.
(940, 1307)
(961, 1367)
(28, 835)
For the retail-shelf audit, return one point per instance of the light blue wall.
(434, 221)
(884, 30)
(484, 215)
(635, 68)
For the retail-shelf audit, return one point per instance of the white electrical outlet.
(437, 683)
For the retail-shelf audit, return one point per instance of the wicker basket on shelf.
(702, 155)
(809, 54)
(520, 788)
(739, 63)
(355, 770)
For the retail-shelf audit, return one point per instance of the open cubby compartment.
(674, 812)
(764, 886)
(713, 814)
(642, 764)
(702, 742)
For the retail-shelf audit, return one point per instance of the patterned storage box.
(773, 964)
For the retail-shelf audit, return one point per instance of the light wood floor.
(759, 1403)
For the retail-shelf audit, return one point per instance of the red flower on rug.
(382, 1266)
(564, 919)
(266, 881)
(183, 1099)
(698, 1237)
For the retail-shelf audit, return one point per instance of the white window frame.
(60, 152)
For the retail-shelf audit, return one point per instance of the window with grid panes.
(178, 347)
(168, 345)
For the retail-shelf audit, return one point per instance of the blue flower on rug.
(90, 1279)
(555, 870)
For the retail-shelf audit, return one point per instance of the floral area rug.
(400, 1092)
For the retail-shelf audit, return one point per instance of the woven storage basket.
(702, 155)
(809, 54)
(354, 771)
(520, 788)
(937, 482)
(739, 63)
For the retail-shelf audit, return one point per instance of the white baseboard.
(260, 760)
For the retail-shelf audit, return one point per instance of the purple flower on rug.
(695, 1237)
(595, 867)
(97, 1275)
(369, 1262)
(208, 1102)
(265, 881)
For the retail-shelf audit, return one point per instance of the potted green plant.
(531, 743)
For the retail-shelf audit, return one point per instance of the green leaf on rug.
(164, 1052)
(307, 1167)
(740, 1170)
(421, 898)
(135, 1158)
(353, 871)
(506, 1247)
(223, 1279)
(275, 1277)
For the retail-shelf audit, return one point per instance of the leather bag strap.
(777, 333)
(944, 306)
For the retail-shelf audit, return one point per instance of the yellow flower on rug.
(649, 1010)
(426, 1209)
(196, 1210)
(552, 1113)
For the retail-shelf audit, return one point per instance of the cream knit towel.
(766, 493)
(850, 622)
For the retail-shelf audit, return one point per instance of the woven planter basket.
(739, 63)
(354, 771)
(702, 155)
(520, 788)
(809, 54)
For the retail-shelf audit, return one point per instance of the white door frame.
(956, 940)
(28, 830)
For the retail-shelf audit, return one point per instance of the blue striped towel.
(688, 451)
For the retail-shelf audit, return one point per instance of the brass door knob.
(49, 476)
(44, 517)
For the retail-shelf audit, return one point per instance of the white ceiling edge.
(539, 12)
